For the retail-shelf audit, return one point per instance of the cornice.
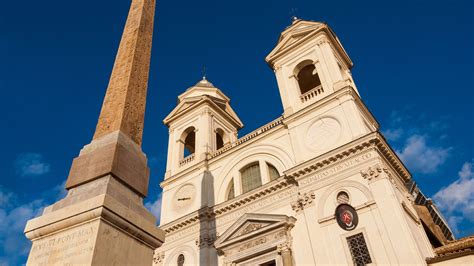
(227, 206)
(372, 141)
(454, 249)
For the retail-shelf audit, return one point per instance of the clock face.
(323, 133)
(184, 197)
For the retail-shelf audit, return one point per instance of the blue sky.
(413, 67)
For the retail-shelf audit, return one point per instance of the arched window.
(230, 190)
(251, 178)
(189, 141)
(219, 139)
(308, 78)
(272, 172)
(180, 260)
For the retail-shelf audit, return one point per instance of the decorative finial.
(293, 12)
(204, 73)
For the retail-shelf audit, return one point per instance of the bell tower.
(202, 122)
(309, 63)
(322, 106)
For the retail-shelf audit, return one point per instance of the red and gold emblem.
(346, 217)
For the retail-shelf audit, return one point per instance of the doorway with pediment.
(257, 239)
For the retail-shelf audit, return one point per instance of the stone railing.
(248, 137)
(312, 94)
(186, 160)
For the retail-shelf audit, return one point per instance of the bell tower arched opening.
(188, 142)
(220, 138)
(307, 76)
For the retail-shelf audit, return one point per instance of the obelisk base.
(98, 223)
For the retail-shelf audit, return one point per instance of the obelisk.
(102, 219)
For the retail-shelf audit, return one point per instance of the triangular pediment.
(301, 26)
(298, 32)
(249, 227)
(252, 224)
(217, 104)
(204, 92)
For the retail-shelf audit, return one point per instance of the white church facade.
(318, 185)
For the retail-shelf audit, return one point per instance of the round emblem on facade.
(323, 133)
(346, 217)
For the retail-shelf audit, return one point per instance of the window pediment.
(253, 226)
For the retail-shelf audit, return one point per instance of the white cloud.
(155, 207)
(421, 157)
(31, 164)
(12, 240)
(5, 198)
(454, 222)
(393, 134)
(13, 215)
(457, 199)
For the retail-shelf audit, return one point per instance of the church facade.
(318, 185)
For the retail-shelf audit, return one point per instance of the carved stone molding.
(303, 200)
(270, 231)
(205, 240)
(373, 172)
(285, 246)
(158, 258)
(322, 41)
(206, 111)
(250, 228)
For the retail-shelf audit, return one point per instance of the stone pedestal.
(102, 221)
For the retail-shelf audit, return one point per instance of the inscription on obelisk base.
(74, 246)
(102, 219)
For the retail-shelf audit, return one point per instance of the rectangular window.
(359, 251)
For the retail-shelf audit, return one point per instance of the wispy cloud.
(457, 199)
(418, 140)
(31, 164)
(14, 215)
(393, 134)
(5, 198)
(155, 207)
(12, 240)
(60, 190)
(421, 157)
